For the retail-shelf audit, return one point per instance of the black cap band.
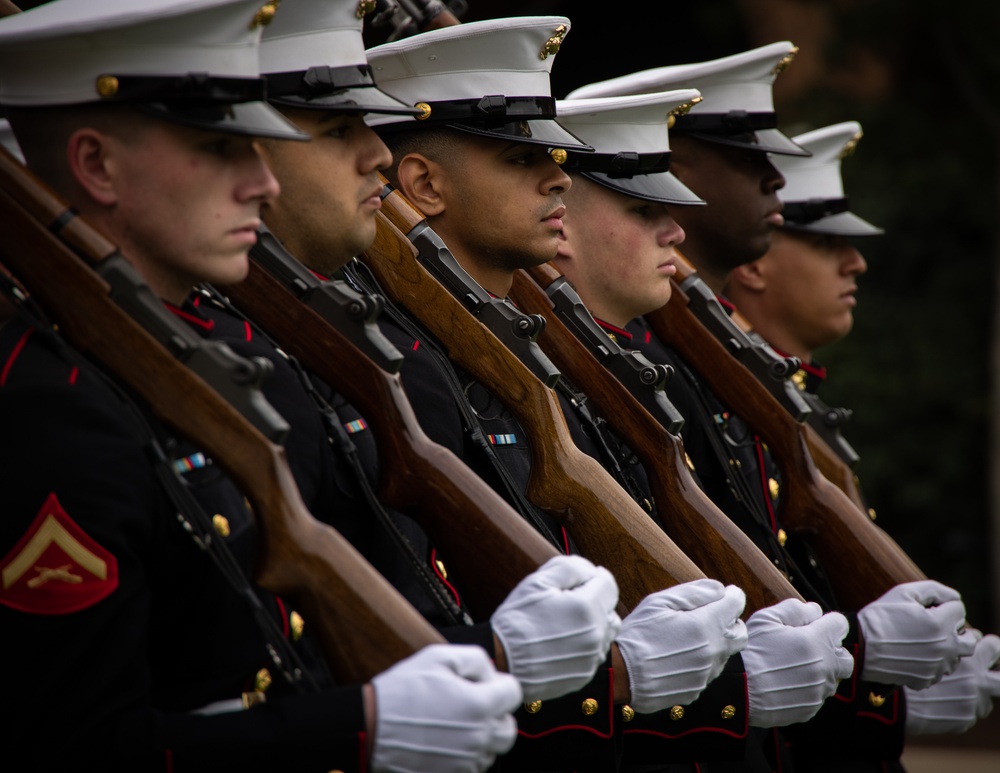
(619, 165)
(191, 88)
(813, 209)
(492, 110)
(318, 81)
(731, 123)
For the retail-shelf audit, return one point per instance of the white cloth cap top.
(156, 54)
(629, 135)
(738, 106)
(813, 195)
(318, 48)
(488, 77)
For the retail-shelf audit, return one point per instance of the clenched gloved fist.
(914, 634)
(793, 660)
(678, 640)
(445, 709)
(557, 625)
(961, 698)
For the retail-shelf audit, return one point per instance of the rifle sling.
(342, 444)
(359, 273)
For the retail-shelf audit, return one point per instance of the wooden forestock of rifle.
(700, 529)
(362, 623)
(607, 525)
(862, 560)
(487, 545)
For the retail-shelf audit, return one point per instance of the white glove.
(793, 660)
(678, 640)
(445, 709)
(964, 696)
(912, 634)
(557, 625)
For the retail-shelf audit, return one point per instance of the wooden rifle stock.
(706, 534)
(831, 464)
(607, 525)
(863, 561)
(488, 546)
(362, 623)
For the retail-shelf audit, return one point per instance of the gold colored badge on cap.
(559, 155)
(106, 85)
(786, 60)
(263, 17)
(552, 45)
(851, 146)
(364, 8)
(680, 110)
(425, 111)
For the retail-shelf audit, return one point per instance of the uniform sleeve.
(95, 568)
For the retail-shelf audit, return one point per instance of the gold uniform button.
(773, 487)
(876, 700)
(676, 712)
(559, 155)
(441, 570)
(782, 537)
(221, 524)
(297, 625)
(687, 459)
(628, 713)
(106, 85)
(728, 712)
(871, 513)
(262, 680)
(589, 707)
(534, 707)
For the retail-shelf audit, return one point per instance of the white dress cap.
(629, 135)
(313, 56)
(190, 61)
(487, 77)
(738, 108)
(814, 191)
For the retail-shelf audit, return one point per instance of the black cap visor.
(839, 224)
(661, 187)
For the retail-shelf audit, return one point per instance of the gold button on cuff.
(728, 712)
(676, 712)
(876, 700)
(589, 707)
(297, 625)
(262, 680)
(534, 707)
(221, 524)
(782, 537)
(106, 85)
(628, 713)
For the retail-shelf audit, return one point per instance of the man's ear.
(422, 182)
(90, 166)
(751, 276)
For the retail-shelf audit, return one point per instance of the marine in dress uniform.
(800, 296)
(729, 141)
(133, 649)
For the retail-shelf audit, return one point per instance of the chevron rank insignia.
(56, 568)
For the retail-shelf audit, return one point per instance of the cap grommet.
(107, 85)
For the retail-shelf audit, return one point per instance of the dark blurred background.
(923, 79)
